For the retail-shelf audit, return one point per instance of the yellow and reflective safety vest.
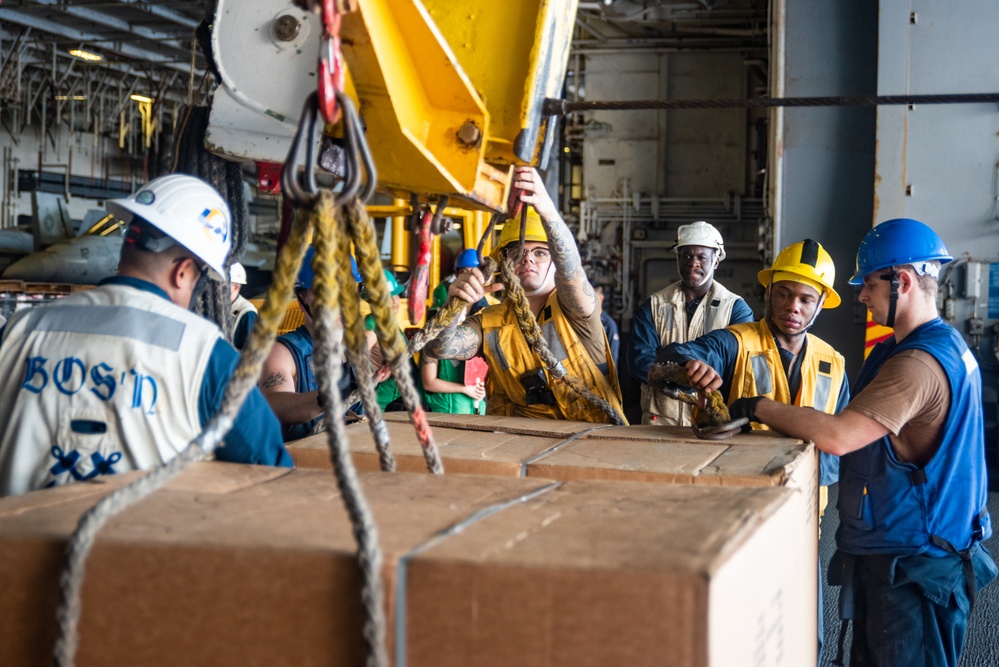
(510, 356)
(759, 372)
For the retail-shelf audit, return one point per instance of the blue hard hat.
(467, 259)
(898, 242)
(305, 274)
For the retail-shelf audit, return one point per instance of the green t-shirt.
(456, 404)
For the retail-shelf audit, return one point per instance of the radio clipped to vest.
(536, 385)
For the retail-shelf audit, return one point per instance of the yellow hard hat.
(808, 263)
(534, 231)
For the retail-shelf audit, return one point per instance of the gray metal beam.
(35, 61)
(85, 13)
(66, 32)
(162, 12)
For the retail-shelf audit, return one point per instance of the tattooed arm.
(462, 342)
(277, 383)
(575, 294)
(465, 340)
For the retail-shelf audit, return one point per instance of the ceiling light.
(85, 55)
(140, 98)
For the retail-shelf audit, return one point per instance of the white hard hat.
(189, 211)
(237, 274)
(702, 234)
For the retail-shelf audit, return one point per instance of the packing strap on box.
(453, 529)
(554, 448)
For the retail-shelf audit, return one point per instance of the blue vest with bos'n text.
(890, 507)
(103, 381)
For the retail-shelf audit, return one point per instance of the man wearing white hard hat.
(244, 313)
(682, 311)
(124, 376)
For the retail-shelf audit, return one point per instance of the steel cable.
(558, 107)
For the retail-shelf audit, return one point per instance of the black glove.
(744, 407)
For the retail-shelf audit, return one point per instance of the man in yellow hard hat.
(561, 299)
(776, 357)
(690, 307)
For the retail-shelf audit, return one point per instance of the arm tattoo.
(563, 248)
(574, 289)
(576, 298)
(462, 342)
(273, 380)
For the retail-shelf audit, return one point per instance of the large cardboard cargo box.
(461, 450)
(243, 565)
(552, 449)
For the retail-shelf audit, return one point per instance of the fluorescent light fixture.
(140, 98)
(71, 97)
(85, 55)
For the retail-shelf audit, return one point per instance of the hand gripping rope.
(532, 332)
(525, 318)
(711, 418)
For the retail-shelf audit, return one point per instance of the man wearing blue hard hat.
(913, 487)
(288, 380)
(467, 260)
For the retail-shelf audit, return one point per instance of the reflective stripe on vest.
(121, 321)
(758, 370)
(110, 381)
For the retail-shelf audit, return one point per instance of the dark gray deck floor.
(982, 647)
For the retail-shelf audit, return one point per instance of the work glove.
(744, 407)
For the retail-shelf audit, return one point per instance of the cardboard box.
(244, 565)
(552, 428)
(681, 434)
(462, 451)
(228, 565)
(651, 454)
(604, 573)
(498, 446)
